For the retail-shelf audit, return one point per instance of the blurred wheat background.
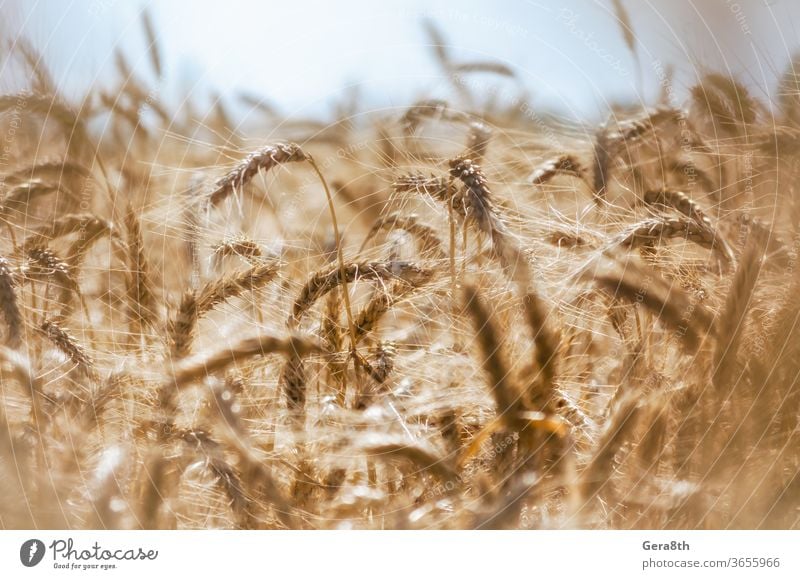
(400, 267)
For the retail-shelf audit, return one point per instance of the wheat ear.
(70, 347)
(194, 306)
(264, 159)
(562, 165)
(324, 281)
(8, 304)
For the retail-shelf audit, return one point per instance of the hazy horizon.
(571, 58)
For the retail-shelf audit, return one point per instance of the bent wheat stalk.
(651, 231)
(196, 368)
(323, 282)
(563, 165)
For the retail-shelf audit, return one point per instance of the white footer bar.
(406, 555)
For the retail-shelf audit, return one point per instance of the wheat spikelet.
(264, 159)
(626, 27)
(138, 96)
(378, 367)
(227, 477)
(19, 366)
(497, 68)
(476, 204)
(789, 90)
(231, 484)
(255, 478)
(80, 247)
(333, 340)
(711, 101)
(571, 239)
(726, 102)
(636, 128)
(381, 362)
(652, 230)
(44, 104)
(129, 112)
(103, 394)
(478, 199)
(42, 79)
(420, 111)
(683, 204)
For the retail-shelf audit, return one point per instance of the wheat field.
(440, 317)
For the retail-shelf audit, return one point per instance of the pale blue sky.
(302, 55)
